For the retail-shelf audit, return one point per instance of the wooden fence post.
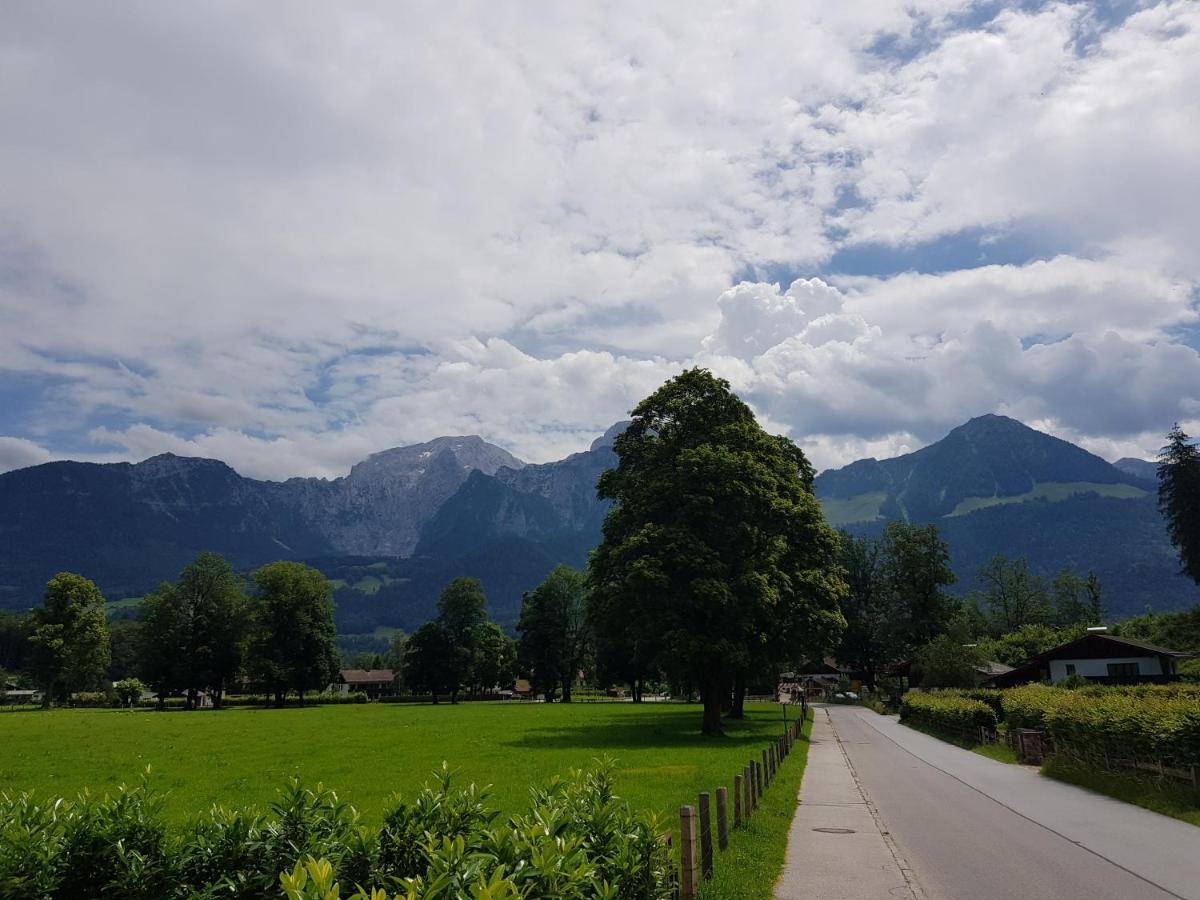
(766, 770)
(706, 851)
(748, 786)
(737, 801)
(760, 784)
(723, 818)
(687, 853)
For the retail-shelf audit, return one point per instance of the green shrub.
(1146, 721)
(577, 840)
(947, 711)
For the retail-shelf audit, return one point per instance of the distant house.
(1100, 657)
(372, 682)
(910, 673)
(812, 681)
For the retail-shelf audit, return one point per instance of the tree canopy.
(1179, 498)
(293, 645)
(715, 555)
(553, 629)
(70, 637)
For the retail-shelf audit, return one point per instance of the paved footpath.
(960, 826)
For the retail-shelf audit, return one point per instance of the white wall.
(1147, 665)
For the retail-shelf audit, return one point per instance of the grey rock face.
(381, 506)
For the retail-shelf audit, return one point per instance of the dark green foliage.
(951, 712)
(577, 841)
(292, 642)
(191, 634)
(1175, 631)
(864, 643)
(15, 649)
(69, 639)
(1179, 498)
(554, 633)
(946, 662)
(427, 661)
(124, 641)
(715, 557)
(1012, 596)
(914, 572)
(1028, 641)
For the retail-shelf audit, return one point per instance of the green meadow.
(239, 757)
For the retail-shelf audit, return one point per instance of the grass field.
(239, 757)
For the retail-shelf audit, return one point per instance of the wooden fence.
(697, 856)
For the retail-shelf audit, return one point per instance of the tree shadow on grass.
(674, 728)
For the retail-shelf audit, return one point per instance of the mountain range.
(405, 521)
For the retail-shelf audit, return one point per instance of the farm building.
(372, 682)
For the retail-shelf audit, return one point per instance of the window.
(1122, 670)
(1070, 669)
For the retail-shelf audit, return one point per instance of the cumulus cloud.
(290, 241)
(16, 453)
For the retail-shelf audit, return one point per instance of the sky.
(291, 235)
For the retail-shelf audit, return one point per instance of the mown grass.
(1171, 798)
(750, 867)
(240, 757)
(365, 752)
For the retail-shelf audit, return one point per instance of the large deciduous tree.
(915, 572)
(1013, 595)
(865, 642)
(462, 610)
(293, 643)
(70, 637)
(1179, 498)
(554, 631)
(715, 544)
(192, 632)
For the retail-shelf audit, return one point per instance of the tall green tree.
(865, 642)
(293, 642)
(69, 638)
(1012, 595)
(1075, 600)
(553, 631)
(462, 610)
(915, 573)
(192, 633)
(1179, 497)
(162, 624)
(427, 664)
(715, 541)
(495, 658)
(216, 605)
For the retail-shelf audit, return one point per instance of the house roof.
(991, 667)
(1096, 645)
(367, 676)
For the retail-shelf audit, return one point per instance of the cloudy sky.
(289, 235)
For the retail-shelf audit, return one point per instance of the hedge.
(947, 711)
(577, 840)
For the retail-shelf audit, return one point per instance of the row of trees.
(195, 635)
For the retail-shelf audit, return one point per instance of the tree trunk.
(738, 708)
(278, 699)
(711, 698)
(301, 693)
(566, 689)
(636, 687)
(435, 699)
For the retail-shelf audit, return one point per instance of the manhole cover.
(835, 830)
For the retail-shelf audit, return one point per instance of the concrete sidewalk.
(824, 865)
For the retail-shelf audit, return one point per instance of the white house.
(1101, 657)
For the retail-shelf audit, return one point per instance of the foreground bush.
(577, 840)
(948, 711)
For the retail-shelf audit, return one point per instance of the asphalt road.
(969, 828)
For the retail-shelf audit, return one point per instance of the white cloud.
(289, 241)
(16, 453)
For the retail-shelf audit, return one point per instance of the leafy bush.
(577, 840)
(946, 711)
(1147, 721)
